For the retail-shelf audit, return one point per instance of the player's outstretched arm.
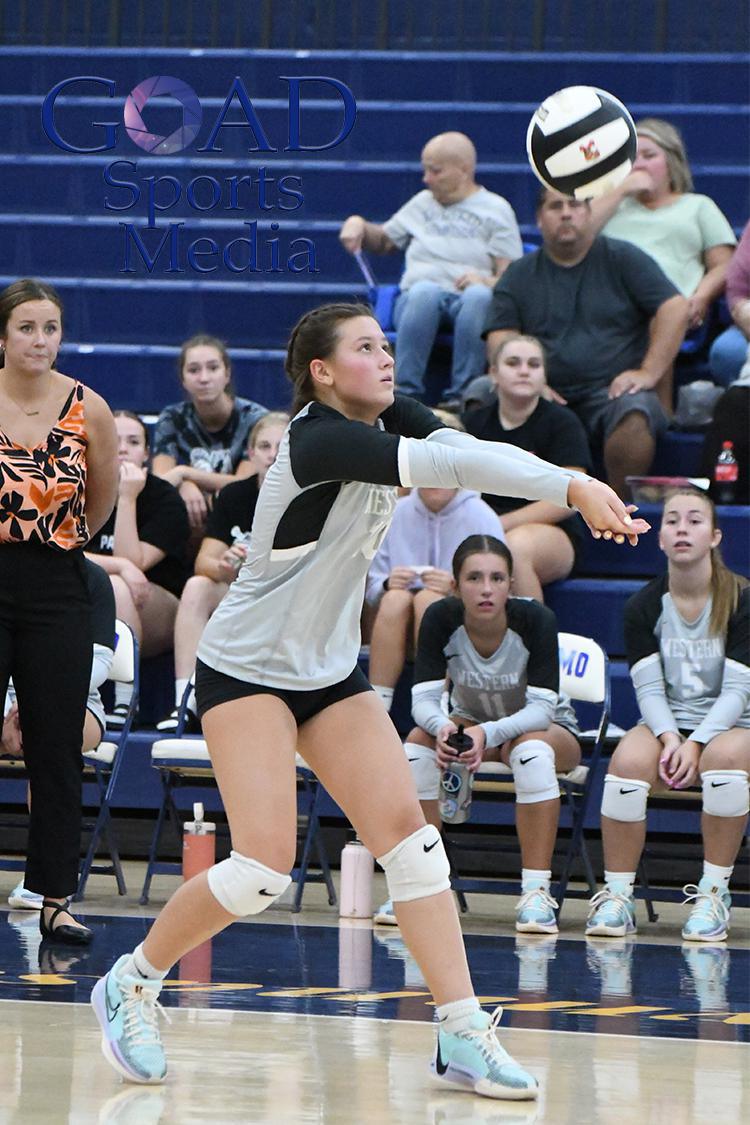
(606, 515)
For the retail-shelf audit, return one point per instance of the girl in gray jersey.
(687, 635)
(500, 657)
(277, 672)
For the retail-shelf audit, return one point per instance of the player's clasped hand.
(447, 756)
(607, 516)
(678, 763)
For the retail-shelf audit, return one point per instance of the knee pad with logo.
(625, 798)
(243, 886)
(417, 867)
(424, 770)
(533, 765)
(725, 792)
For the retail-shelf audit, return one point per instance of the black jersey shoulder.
(409, 418)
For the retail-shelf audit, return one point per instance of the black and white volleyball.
(581, 142)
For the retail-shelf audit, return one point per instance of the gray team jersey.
(510, 692)
(684, 677)
(291, 618)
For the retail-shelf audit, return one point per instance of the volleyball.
(581, 142)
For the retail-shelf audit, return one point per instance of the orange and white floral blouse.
(43, 490)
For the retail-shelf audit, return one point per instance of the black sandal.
(70, 935)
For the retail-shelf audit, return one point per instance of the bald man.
(458, 238)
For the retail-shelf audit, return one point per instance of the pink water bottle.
(198, 844)
(357, 866)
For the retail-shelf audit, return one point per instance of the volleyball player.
(688, 647)
(277, 672)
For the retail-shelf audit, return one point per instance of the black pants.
(46, 646)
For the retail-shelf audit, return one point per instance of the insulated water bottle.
(456, 780)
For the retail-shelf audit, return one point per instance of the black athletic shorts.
(213, 688)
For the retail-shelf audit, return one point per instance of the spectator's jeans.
(418, 314)
(728, 353)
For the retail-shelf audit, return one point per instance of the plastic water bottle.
(198, 844)
(357, 866)
(725, 474)
(456, 780)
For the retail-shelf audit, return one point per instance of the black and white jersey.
(291, 618)
(684, 677)
(510, 692)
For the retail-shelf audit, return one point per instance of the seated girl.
(542, 538)
(220, 557)
(142, 548)
(500, 656)
(686, 634)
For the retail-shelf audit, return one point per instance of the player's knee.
(417, 867)
(424, 770)
(243, 886)
(725, 792)
(625, 798)
(533, 765)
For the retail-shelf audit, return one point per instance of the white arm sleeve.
(538, 714)
(648, 680)
(426, 707)
(450, 459)
(732, 702)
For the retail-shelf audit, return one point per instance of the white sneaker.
(535, 912)
(21, 899)
(384, 915)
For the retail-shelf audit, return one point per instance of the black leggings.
(46, 646)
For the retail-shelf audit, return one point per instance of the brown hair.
(511, 340)
(726, 586)
(315, 336)
(26, 289)
(672, 145)
(480, 545)
(202, 340)
(134, 418)
(273, 418)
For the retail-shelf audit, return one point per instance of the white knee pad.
(533, 765)
(243, 886)
(725, 792)
(625, 798)
(424, 769)
(417, 867)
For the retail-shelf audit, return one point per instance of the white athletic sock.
(123, 693)
(137, 965)
(179, 690)
(532, 880)
(719, 876)
(385, 694)
(620, 882)
(457, 1015)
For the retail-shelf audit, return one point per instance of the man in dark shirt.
(611, 323)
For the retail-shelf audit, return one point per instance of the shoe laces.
(708, 902)
(488, 1044)
(142, 1008)
(607, 897)
(531, 899)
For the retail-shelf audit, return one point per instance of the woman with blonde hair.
(656, 208)
(686, 635)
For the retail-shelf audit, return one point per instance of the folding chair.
(102, 766)
(584, 676)
(183, 760)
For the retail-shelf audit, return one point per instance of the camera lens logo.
(162, 85)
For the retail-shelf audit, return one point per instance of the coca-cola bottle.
(725, 475)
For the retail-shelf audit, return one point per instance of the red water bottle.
(725, 474)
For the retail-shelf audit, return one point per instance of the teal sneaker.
(126, 1008)
(535, 912)
(709, 918)
(708, 974)
(384, 915)
(610, 915)
(474, 1060)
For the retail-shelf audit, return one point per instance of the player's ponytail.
(314, 336)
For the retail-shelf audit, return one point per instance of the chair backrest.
(123, 663)
(583, 668)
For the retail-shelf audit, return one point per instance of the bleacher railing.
(411, 25)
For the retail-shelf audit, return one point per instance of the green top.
(676, 236)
